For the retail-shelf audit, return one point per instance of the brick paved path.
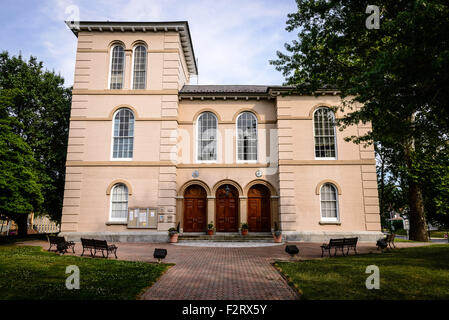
(220, 273)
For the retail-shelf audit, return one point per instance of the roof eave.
(179, 26)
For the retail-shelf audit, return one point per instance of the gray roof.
(210, 89)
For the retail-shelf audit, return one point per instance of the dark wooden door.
(226, 209)
(259, 209)
(195, 209)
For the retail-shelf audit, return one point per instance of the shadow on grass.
(408, 273)
(28, 272)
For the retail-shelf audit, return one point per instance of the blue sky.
(233, 39)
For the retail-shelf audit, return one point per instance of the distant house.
(149, 151)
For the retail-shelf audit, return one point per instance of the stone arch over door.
(183, 188)
(259, 208)
(270, 187)
(195, 209)
(230, 182)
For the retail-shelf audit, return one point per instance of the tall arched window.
(119, 203)
(123, 139)
(324, 130)
(117, 67)
(329, 202)
(139, 67)
(246, 137)
(207, 137)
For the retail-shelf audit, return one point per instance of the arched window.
(119, 203)
(324, 130)
(117, 67)
(246, 137)
(139, 67)
(329, 202)
(123, 139)
(207, 137)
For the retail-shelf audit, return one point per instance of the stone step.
(221, 240)
(224, 238)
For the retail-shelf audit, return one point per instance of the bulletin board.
(142, 218)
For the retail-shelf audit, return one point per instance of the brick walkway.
(220, 273)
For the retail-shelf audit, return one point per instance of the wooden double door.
(195, 209)
(259, 218)
(226, 209)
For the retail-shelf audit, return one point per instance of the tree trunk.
(417, 219)
(22, 224)
(416, 215)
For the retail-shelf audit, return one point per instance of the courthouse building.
(148, 151)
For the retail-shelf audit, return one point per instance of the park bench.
(390, 239)
(61, 244)
(351, 243)
(383, 243)
(98, 245)
(339, 244)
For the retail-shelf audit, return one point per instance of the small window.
(117, 67)
(246, 137)
(123, 139)
(324, 127)
(207, 137)
(139, 67)
(119, 203)
(329, 202)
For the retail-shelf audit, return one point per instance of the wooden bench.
(98, 245)
(340, 244)
(383, 243)
(351, 243)
(61, 244)
(390, 239)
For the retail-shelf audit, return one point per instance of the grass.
(409, 273)
(438, 234)
(403, 240)
(29, 237)
(28, 272)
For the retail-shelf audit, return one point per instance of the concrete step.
(226, 238)
(237, 240)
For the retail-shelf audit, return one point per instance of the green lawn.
(31, 273)
(438, 234)
(411, 273)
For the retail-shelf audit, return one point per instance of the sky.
(233, 39)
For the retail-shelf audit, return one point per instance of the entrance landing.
(225, 244)
(230, 237)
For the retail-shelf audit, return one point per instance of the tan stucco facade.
(164, 153)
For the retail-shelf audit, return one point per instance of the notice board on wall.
(144, 218)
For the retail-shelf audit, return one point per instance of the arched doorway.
(226, 209)
(195, 209)
(259, 209)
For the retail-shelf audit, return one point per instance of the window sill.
(338, 223)
(327, 158)
(108, 223)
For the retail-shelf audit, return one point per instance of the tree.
(42, 105)
(20, 190)
(396, 73)
(433, 172)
